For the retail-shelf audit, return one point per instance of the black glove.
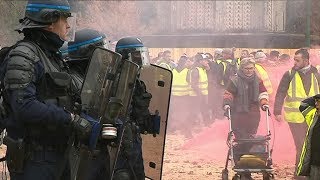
(81, 125)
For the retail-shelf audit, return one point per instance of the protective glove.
(265, 107)
(81, 125)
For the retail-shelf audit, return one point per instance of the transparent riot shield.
(124, 90)
(158, 82)
(96, 91)
(97, 85)
(125, 85)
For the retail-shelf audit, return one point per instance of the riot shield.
(95, 93)
(125, 84)
(158, 82)
(98, 81)
(124, 90)
(107, 76)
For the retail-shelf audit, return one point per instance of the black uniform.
(38, 98)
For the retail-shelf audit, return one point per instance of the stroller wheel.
(224, 174)
(267, 176)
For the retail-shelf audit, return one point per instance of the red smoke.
(210, 144)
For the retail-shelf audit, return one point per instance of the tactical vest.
(53, 87)
(264, 77)
(180, 86)
(202, 84)
(295, 95)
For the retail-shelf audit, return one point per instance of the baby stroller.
(254, 156)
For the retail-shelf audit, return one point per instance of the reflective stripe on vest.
(265, 78)
(224, 64)
(295, 95)
(303, 168)
(238, 61)
(180, 86)
(202, 84)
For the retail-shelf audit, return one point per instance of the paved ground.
(203, 156)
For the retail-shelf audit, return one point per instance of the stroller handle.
(268, 114)
(229, 117)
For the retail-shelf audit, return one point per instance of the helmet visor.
(140, 56)
(72, 22)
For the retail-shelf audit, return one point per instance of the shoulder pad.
(20, 66)
(26, 50)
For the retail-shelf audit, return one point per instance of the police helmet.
(86, 40)
(132, 48)
(41, 13)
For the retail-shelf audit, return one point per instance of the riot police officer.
(37, 95)
(130, 161)
(94, 165)
(80, 50)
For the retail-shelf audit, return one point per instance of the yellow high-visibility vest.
(304, 165)
(224, 63)
(238, 61)
(295, 95)
(202, 84)
(180, 86)
(262, 73)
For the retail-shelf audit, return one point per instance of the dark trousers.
(133, 164)
(196, 106)
(199, 105)
(42, 165)
(204, 109)
(215, 99)
(298, 131)
(94, 165)
(245, 124)
(314, 173)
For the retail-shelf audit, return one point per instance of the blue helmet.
(132, 48)
(41, 13)
(47, 11)
(85, 41)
